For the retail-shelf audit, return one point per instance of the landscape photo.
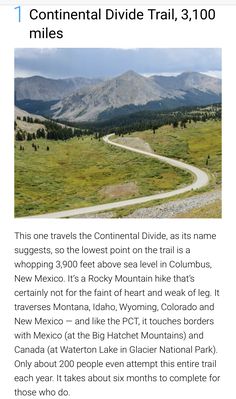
(118, 133)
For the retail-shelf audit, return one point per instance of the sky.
(104, 62)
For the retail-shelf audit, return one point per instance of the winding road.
(201, 180)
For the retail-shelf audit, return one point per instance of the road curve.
(201, 180)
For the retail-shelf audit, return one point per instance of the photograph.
(118, 132)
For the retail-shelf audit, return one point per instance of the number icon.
(19, 12)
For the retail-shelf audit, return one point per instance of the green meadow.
(78, 173)
(198, 144)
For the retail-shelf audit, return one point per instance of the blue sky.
(101, 62)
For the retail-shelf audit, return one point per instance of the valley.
(118, 147)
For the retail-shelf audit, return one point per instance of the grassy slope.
(71, 174)
(192, 144)
(29, 127)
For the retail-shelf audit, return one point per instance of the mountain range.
(82, 99)
(45, 89)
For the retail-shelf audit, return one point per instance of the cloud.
(102, 62)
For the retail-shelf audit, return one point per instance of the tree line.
(139, 121)
(147, 120)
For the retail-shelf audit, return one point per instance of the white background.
(220, 34)
(120, 3)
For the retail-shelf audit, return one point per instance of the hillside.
(22, 123)
(20, 113)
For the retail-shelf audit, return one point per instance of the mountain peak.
(190, 73)
(130, 74)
